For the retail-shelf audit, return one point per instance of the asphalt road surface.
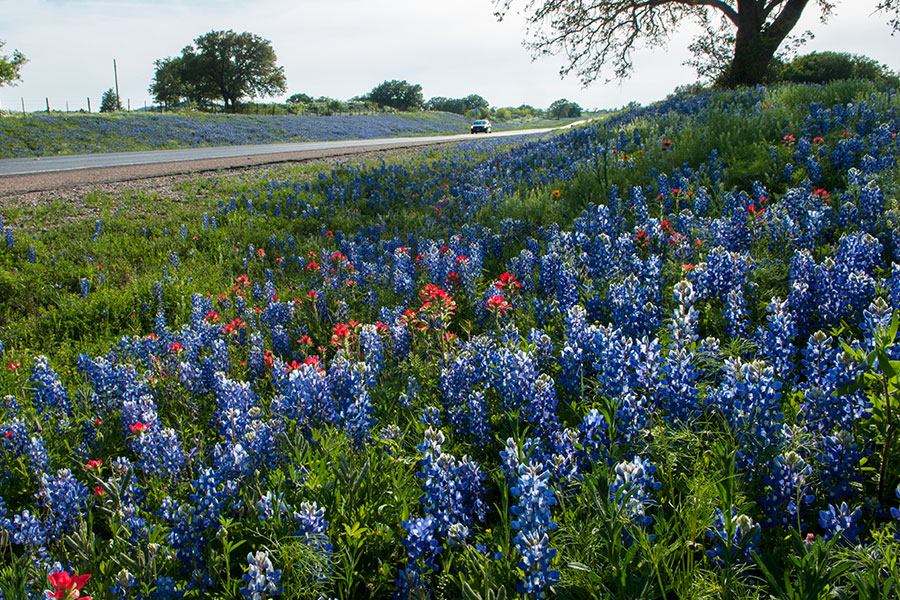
(21, 175)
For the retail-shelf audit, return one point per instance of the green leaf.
(884, 363)
(848, 388)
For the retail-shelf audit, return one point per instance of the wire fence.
(10, 103)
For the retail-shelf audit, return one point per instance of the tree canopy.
(219, 65)
(740, 36)
(109, 101)
(396, 94)
(563, 109)
(10, 66)
(460, 106)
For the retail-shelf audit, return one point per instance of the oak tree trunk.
(756, 41)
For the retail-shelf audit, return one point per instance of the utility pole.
(89, 104)
(116, 75)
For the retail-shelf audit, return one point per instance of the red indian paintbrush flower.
(67, 587)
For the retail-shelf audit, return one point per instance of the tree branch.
(719, 5)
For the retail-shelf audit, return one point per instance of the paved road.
(55, 164)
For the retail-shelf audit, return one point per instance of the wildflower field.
(69, 133)
(652, 358)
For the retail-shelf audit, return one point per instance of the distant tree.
(109, 101)
(397, 94)
(526, 110)
(476, 103)
(563, 109)
(300, 99)
(740, 36)
(168, 87)
(10, 66)
(503, 114)
(224, 64)
(451, 105)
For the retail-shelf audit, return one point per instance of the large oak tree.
(220, 65)
(741, 36)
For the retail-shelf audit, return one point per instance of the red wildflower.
(138, 427)
(67, 587)
(98, 491)
(507, 281)
(496, 304)
(13, 365)
(93, 464)
(822, 194)
(176, 347)
(818, 140)
(212, 317)
(341, 335)
(260, 253)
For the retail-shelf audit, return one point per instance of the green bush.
(824, 67)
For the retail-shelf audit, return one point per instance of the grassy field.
(652, 358)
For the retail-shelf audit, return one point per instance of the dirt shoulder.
(71, 185)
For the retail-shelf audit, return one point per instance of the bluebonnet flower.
(634, 307)
(594, 436)
(261, 577)
(48, 394)
(422, 548)
(633, 486)
(777, 339)
(841, 522)
(839, 458)
(895, 513)
(10, 240)
(454, 489)
(17, 441)
(825, 368)
(787, 491)
(683, 326)
(271, 506)
(32, 256)
(166, 589)
(312, 526)
(64, 498)
(533, 522)
(735, 546)
(749, 398)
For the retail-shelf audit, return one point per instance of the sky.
(343, 48)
